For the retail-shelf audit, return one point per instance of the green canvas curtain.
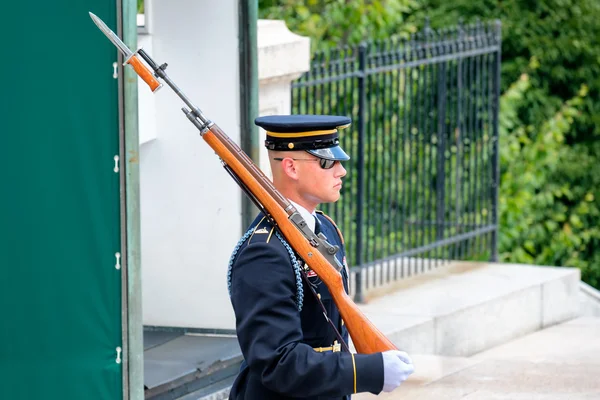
(60, 292)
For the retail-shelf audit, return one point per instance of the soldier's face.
(320, 185)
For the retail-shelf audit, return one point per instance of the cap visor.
(330, 153)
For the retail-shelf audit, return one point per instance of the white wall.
(282, 57)
(190, 207)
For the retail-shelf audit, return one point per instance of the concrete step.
(466, 307)
(589, 300)
(556, 363)
(217, 391)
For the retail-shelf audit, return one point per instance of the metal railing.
(421, 187)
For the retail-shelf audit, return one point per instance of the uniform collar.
(308, 217)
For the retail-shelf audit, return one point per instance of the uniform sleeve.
(269, 332)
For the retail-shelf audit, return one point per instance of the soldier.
(290, 349)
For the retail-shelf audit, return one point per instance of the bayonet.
(130, 56)
(193, 113)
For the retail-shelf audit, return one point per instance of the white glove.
(397, 367)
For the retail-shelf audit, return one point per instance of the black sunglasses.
(323, 163)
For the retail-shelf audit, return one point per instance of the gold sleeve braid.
(354, 367)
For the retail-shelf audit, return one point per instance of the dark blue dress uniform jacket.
(277, 339)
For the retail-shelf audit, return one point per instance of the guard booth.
(64, 163)
(72, 242)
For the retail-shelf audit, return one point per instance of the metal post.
(133, 330)
(441, 152)
(495, 150)
(360, 163)
(248, 16)
(458, 206)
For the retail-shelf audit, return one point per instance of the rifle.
(314, 250)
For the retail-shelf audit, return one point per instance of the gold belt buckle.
(336, 346)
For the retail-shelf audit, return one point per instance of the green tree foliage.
(561, 37)
(334, 23)
(548, 207)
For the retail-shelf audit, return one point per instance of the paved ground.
(560, 362)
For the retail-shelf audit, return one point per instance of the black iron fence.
(421, 187)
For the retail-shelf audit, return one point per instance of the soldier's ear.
(289, 168)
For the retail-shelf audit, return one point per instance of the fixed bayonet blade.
(130, 57)
(112, 36)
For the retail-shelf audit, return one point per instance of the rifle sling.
(312, 289)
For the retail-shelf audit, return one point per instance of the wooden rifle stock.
(365, 336)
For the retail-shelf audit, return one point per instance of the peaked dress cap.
(315, 134)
